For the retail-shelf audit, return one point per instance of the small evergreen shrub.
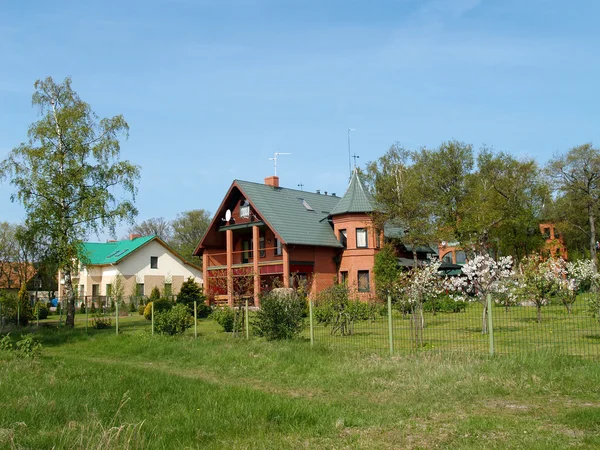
(141, 309)
(280, 316)
(173, 321)
(191, 292)
(224, 316)
(132, 307)
(93, 308)
(202, 310)
(155, 294)
(160, 305)
(100, 322)
(42, 309)
(82, 308)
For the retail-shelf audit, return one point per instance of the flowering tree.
(419, 285)
(482, 276)
(579, 275)
(540, 278)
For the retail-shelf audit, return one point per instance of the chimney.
(133, 236)
(325, 192)
(272, 181)
(333, 194)
(318, 191)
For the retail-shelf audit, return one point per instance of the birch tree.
(69, 176)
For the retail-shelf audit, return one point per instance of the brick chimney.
(272, 181)
(133, 236)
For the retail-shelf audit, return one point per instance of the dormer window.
(245, 210)
(305, 204)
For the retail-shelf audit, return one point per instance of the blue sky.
(212, 88)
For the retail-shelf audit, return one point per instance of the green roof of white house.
(299, 217)
(103, 253)
(357, 198)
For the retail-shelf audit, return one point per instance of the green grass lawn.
(98, 390)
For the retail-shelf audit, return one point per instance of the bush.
(280, 316)
(174, 321)
(132, 308)
(160, 305)
(100, 322)
(155, 294)
(42, 309)
(13, 306)
(141, 309)
(28, 347)
(82, 308)
(445, 305)
(93, 308)
(202, 311)
(189, 293)
(224, 316)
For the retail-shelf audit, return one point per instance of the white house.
(143, 262)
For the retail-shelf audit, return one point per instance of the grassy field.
(98, 390)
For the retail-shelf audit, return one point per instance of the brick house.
(143, 262)
(263, 234)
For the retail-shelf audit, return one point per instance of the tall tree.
(154, 226)
(68, 176)
(577, 173)
(398, 190)
(188, 229)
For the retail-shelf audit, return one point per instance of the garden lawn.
(135, 390)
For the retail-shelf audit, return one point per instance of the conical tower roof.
(357, 198)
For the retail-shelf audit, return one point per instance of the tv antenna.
(355, 157)
(349, 163)
(274, 159)
(300, 185)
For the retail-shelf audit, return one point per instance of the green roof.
(102, 253)
(357, 198)
(299, 217)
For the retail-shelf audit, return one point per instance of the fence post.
(390, 324)
(86, 316)
(195, 320)
(38, 315)
(117, 317)
(1, 320)
(247, 320)
(490, 324)
(18, 314)
(152, 318)
(310, 322)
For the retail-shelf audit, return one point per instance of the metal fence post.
(152, 318)
(18, 314)
(310, 322)
(38, 315)
(195, 320)
(247, 320)
(390, 324)
(1, 320)
(117, 318)
(490, 324)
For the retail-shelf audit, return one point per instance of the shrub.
(280, 316)
(100, 322)
(445, 305)
(224, 316)
(189, 293)
(155, 294)
(82, 308)
(141, 309)
(6, 342)
(25, 312)
(93, 308)
(173, 321)
(14, 306)
(132, 307)
(40, 309)
(160, 305)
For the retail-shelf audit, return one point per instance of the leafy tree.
(188, 229)
(280, 315)
(386, 271)
(540, 279)
(577, 174)
(398, 189)
(154, 226)
(69, 178)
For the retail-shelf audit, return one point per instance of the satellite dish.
(228, 215)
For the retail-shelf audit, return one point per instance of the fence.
(512, 329)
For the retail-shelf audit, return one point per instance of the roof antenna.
(349, 163)
(274, 159)
(300, 185)
(355, 157)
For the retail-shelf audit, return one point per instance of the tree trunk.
(592, 236)
(484, 319)
(70, 298)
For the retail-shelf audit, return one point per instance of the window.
(461, 257)
(361, 238)
(344, 238)
(139, 289)
(168, 289)
(305, 204)
(363, 281)
(546, 233)
(344, 278)
(108, 290)
(247, 251)
(278, 251)
(154, 262)
(81, 291)
(95, 290)
(261, 244)
(447, 258)
(245, 209)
